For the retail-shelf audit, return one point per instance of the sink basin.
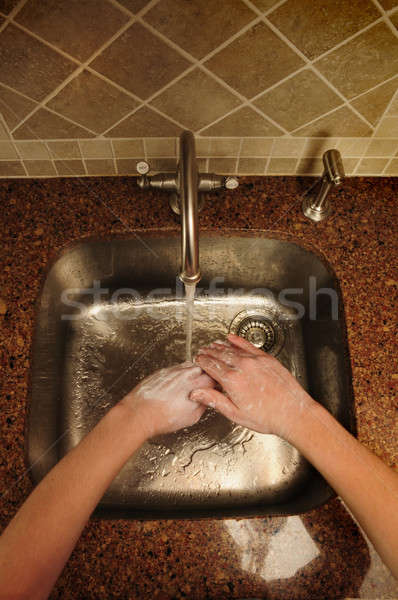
(111, 312)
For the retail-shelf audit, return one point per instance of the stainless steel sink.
(96, 338)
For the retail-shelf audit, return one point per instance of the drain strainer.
(260, 328)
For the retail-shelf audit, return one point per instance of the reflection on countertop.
(321, 554)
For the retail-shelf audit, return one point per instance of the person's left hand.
(161, 401)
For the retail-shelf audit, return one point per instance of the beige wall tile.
(68, 150)
(202, 146)
(223, 166)
(382, 148)
(317, 27)
(4, 135)
(352, 146)
(389, 4)
(8, 5)
(158, 165)
(252, 166)
(317, 146)
(127, 166)
(373, 104)
(134, 5)
(202, 165)
(144, 123)
(388, 127)
(340, 123)
(32, 150)
(256, 147)
(309, 166)
(393, 111)
(100, 166)
(199, 27)
(14, 107)
(7, 150)
(184, 100)
(243, 122)
(161, 147)
(140, 62)
(371, 166)
(96, 149)
(92, 102)
(392, 168)
(363, 62)
(246, 67)
(73, 26)
(265, 5)
(350, 165)
(298, 100)
(224, 147)
(44, 124)
(12, 168)
(40, 168)
(128, 148)
(282, 166)
(288, 147)
(29, 66)
(70, 168)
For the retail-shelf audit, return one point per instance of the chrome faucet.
(185, 184)
(319, 208)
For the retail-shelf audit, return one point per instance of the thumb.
(214, 399)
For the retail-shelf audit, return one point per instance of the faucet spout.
(188, 190)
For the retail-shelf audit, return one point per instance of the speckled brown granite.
(321, 554)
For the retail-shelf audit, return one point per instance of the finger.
(239, 342)
(215, 400)
(216, 368)
(228, 355)
(204, 381)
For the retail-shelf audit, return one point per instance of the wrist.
(299, 419)
(128, 426)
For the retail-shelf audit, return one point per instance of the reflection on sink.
(111, 312)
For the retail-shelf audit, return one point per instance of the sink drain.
(260, 328)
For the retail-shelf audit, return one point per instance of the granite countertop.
(321, 554)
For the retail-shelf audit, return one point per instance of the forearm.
(364, 482)
(38, 541)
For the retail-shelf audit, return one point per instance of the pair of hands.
(259, 393)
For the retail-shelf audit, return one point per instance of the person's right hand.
(260, 393)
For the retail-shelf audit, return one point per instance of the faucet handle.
(211, 181)
(231, 183)
(142, 167)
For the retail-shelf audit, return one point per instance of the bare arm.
(264, 396)
(39, 539)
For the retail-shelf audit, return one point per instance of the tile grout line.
(83, 159)
(114, 158)
(8, 18)
(386, 19)
(300, 157)
(81, 66)
(268, 161)
(317, 72)
(238, 155)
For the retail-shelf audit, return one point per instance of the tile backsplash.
(90, 87)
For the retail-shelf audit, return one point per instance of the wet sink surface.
(111, 312)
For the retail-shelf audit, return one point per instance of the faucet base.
(314, 213)
(175, 203)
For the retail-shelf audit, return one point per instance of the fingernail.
(197, 395)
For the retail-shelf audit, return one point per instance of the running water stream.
(189, 308)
